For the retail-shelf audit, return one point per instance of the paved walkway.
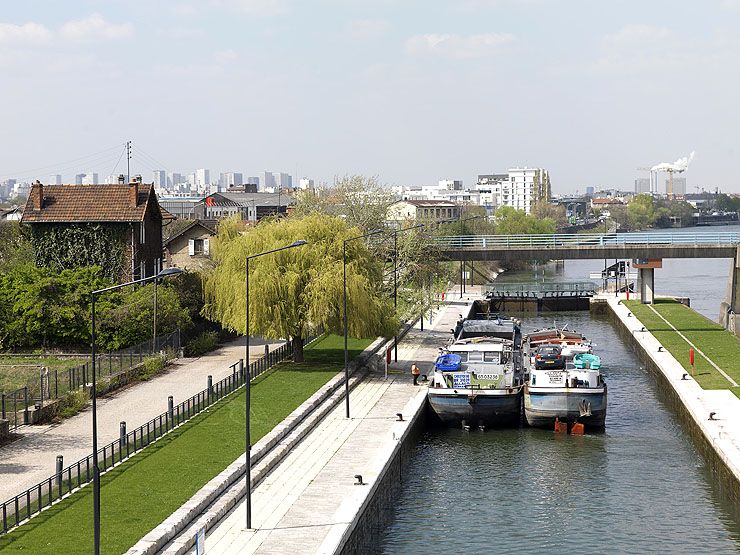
(32, 458)
(306, 503)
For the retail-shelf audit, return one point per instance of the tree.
(510, 221)
(15, 249)
(641, 212)
(295, 292)
(362, 201)
(556, 212)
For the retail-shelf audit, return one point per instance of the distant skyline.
(413, 91)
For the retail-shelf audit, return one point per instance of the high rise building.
(520, 188)
(642, 185)
(176, 179)
(160, 179)
(679, 186)
(252, 180)
(305, 183)
(78, 178)
(55, 179)
(451, 184)
(589, 191)
(90, 178)
(283, 180)
(268, 182)
(231, 179)
(202, 177)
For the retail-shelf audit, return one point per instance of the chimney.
(133, 193)
(37, 195)
(121, 179)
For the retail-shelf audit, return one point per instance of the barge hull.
(488, 410)
(541, 408)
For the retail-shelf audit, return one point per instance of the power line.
(60, 164)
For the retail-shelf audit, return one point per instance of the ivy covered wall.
(67, 246)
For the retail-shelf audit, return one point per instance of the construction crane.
(679, 166)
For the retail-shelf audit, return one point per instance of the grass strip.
(140, 493)
(718, 344)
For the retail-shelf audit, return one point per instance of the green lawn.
(717, 343)
(17, 372)
(143, 491)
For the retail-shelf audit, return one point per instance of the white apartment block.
(520, 188)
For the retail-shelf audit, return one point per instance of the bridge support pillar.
(646, 277)
(728, 316)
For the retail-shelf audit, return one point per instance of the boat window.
(463, 356)
(475, 356)
(491, 357)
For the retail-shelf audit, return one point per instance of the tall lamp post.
(248, 374)
(96, 470)
(395, 279)
(344, 282)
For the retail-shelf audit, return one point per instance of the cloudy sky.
(410, 90)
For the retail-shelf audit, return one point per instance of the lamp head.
(169, 272)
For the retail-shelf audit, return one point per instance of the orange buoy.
(560, 427)
(577, 429)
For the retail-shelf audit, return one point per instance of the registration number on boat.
(556, 377)
(461, 380)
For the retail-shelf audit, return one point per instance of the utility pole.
(128, 162)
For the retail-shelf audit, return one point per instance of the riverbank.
(711, 416)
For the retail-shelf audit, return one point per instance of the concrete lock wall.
(722, 478)
(728, 309)
(378, 513)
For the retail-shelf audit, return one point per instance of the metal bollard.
(121, 436)
(171, 409)
(60, 466)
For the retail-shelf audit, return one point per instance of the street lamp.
(395, 279)
(344, 282)
(96, 470)
(248, 374)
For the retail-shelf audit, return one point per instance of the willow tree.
(296, 292)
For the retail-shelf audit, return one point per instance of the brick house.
(115, 226)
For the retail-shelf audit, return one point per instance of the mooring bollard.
(171, 410)
(210, 387)
(267, 349)
(60, 466)
(121, 435)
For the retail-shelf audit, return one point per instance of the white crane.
(679, 166)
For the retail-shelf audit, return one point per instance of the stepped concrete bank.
(308, 501)
(717, 438)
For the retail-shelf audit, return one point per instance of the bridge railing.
(586, 240)
(567, 288)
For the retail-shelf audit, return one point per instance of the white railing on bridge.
(587, 240)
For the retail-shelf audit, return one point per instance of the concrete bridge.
(648, 248)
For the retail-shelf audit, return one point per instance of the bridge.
(648, 248)
(508, 248)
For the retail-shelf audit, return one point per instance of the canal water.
(640, 486)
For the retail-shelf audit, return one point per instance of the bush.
(73, 402)
(205, 342)
(153, 365)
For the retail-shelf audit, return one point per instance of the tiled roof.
(88, 203)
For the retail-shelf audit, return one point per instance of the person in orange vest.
(415, 372)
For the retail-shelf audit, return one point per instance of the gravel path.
(32, 458)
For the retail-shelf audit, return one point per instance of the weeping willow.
(295, 292)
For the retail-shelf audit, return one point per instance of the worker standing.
(415, 372)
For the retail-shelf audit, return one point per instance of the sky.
(411, 91)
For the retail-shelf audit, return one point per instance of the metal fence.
(540, 289)
(586, 240)
(53, 383)
(65, 481)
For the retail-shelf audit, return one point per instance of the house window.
(142, 233)
(142, 270)
(198, 247)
